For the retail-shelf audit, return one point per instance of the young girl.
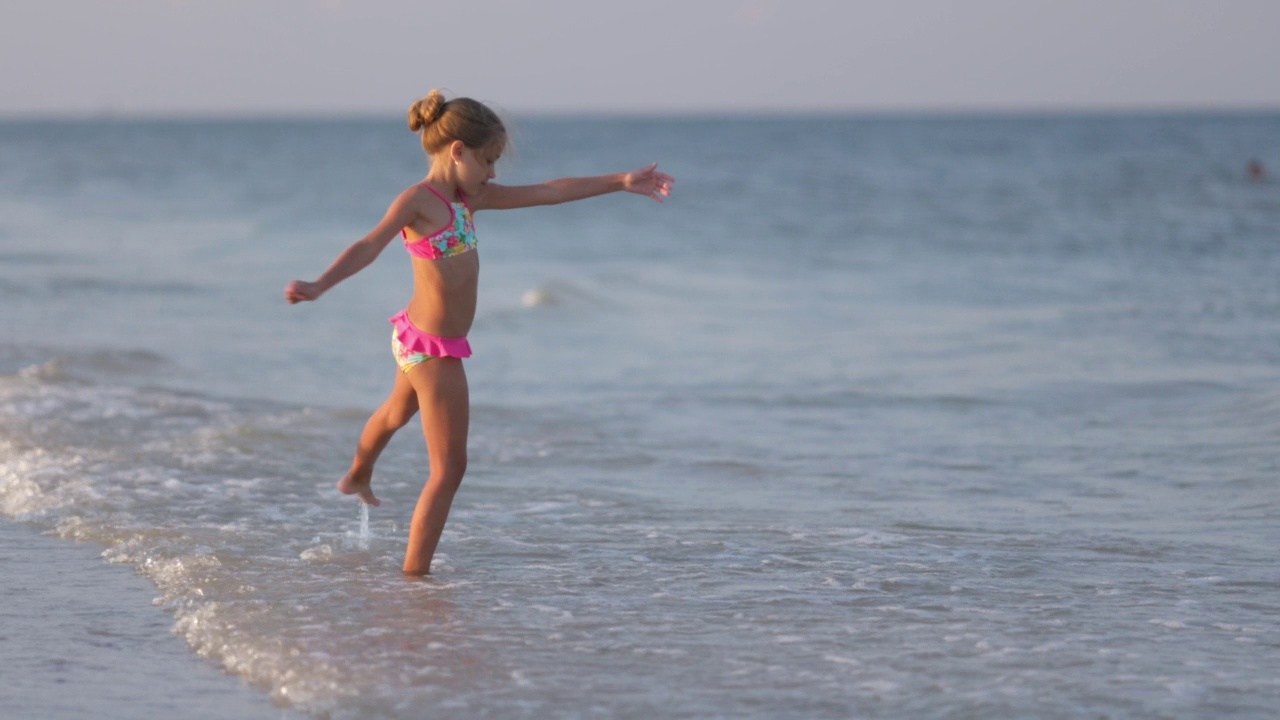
(464, 140)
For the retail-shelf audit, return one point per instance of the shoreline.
(80, 638)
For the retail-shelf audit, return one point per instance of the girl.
(463, 139)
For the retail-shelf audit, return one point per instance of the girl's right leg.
(396, 412)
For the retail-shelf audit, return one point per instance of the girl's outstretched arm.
(358, 255)
(645, 181)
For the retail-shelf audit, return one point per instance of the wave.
(189, 490)
(228, 506)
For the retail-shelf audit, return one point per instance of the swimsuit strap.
(439, 194)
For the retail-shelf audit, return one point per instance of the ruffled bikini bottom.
(411, 346)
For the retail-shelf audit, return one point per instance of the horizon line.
(1010, 110)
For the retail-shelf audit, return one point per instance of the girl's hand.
(648, 181)
(298, 291)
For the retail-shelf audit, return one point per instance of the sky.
(363, 57)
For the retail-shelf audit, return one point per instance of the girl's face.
(476, 167)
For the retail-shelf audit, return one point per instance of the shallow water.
(78, 642)
(927, 418)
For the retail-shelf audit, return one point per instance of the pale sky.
(322, 57)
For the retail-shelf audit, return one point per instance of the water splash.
(364, 526)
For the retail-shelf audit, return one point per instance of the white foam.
(50, 370)
(539, 297)
(320, 553)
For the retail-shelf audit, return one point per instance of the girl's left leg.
(396, 412)
(445, 403)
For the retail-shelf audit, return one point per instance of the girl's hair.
(440, 122)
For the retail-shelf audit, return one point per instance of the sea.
(883, 416)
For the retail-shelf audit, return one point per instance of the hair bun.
(426, 111)
(439, 122)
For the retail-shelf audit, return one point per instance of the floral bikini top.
(457, 237)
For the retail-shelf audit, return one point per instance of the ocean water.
(876, 417)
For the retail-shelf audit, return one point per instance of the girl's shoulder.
(426, 189)
(427, 205)
(422, 195)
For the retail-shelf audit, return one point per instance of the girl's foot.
(363, 487)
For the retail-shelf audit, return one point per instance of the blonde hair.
(439, 122)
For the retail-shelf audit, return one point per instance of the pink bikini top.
(457, 237)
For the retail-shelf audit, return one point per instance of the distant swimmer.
(1257, 172)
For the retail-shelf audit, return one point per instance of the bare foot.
(363, 487)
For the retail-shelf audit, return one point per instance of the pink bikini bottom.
(412, 347)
